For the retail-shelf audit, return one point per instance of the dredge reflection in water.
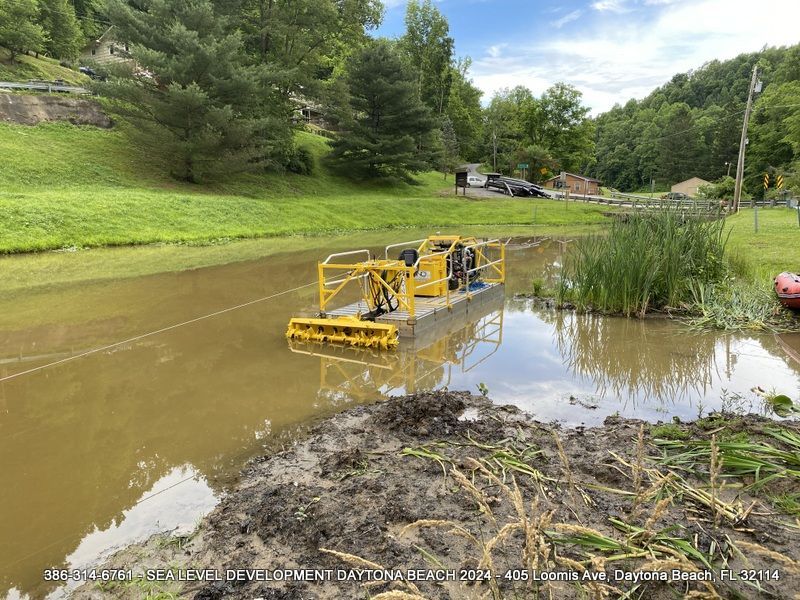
(420, 364)
(83, 444)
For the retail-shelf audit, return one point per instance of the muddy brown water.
(105, 450)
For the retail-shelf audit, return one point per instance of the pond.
(105, 450)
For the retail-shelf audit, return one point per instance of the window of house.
(126, 47)
(94, 51)
(111, 50)
(577, 186)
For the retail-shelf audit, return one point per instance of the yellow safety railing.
(382, 274)
(483, 262)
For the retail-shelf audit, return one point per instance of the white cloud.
(608, 5)
(496, 50)
(617, 58)
(559, 23)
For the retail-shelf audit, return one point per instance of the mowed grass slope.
(26, 68)
(775, 248)
(67, 186)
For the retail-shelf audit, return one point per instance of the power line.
(152, 333)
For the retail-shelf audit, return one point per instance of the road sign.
(779, 182)
(766, 180)
(523, 166)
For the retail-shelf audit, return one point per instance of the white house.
(106, 49)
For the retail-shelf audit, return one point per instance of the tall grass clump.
(646, 262)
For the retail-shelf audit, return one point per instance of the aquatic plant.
(738, 305)
(645, 262)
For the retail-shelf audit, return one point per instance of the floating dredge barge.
(432, 280)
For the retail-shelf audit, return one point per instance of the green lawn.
(65, 186)
(29, 67)
(773, 249)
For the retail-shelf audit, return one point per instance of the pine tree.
(58, 20)
(196, 101)
(390, 123)
(19, 31)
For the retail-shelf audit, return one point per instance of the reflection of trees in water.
(642, 358)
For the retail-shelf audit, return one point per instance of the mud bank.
(453, 497)
(27, 109)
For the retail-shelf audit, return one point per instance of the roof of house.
(105, 36)
(700, 179)
(577, 177)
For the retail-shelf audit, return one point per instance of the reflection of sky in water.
(663, 376)
(177, 500)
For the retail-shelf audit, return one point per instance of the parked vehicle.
(675, 196)
(91, 73)
(475, 181)
(516, 187)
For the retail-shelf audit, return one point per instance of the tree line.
(691, 126)
(214, 86)
(56, 28)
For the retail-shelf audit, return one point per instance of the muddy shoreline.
(492, 503)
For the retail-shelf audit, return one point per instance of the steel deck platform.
(429, 311)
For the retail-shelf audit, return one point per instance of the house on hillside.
(576, 184)
(106, 49)
(689, 187)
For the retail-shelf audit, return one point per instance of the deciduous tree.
(64, 35)
(428, 48)
(19, 31)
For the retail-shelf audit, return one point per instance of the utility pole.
(737, 193)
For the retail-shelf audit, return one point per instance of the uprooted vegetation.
(514, 508)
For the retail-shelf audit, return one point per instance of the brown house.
(576, 184)
(690, 187)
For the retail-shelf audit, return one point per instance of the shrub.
(301, 161)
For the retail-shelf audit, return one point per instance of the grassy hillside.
(65, 186)
(29, 67)
(770, 251)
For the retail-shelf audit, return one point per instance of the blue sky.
(612, 50)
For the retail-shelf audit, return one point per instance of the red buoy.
(787, 286)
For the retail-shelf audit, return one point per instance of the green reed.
(645, 262)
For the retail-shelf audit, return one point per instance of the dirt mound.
(490, 500)
(433, 413)
(27, 109)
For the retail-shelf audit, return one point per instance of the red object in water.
(787, 286)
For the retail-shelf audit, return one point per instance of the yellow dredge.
(431, 279)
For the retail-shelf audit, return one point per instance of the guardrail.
(43, 86)
(632, 196)
(645, 202)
